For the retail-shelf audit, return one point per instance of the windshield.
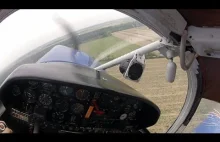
(102, 38)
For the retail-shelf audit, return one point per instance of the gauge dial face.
(82, 95)
(77, 108)
(33, 84)
(62, 105)
(65, 90)
(45, 99)
(58, 117)
(48, 87)
(16, 90)
(30, 95)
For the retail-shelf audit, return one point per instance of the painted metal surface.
(62, 53)
(205, 41)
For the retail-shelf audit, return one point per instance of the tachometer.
(61, 105)
(30, 95)
(77, 108)
(65, 90)
(45, 99)
(82, 95)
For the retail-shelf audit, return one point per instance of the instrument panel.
(62, 107)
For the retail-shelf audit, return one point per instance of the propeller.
(73, 35)
(79, 58)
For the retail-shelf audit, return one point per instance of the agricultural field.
(96, 47)
(170, 97)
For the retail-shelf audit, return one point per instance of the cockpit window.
(102, 35)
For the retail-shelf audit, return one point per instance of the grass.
(95, 47)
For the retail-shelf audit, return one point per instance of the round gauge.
(33, 84)
(30, 95)
(62, 105)
(82, 95)
(48, 87)
(77, 108)
(16, 90)
(45, 99)
(58, 117)
(65, 90)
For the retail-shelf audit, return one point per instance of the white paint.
(171, 71)
(203, 39)
(185, 66)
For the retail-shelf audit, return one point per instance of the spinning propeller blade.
(73, 35)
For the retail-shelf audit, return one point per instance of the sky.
(25, 30)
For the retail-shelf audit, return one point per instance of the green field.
(95, 47)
